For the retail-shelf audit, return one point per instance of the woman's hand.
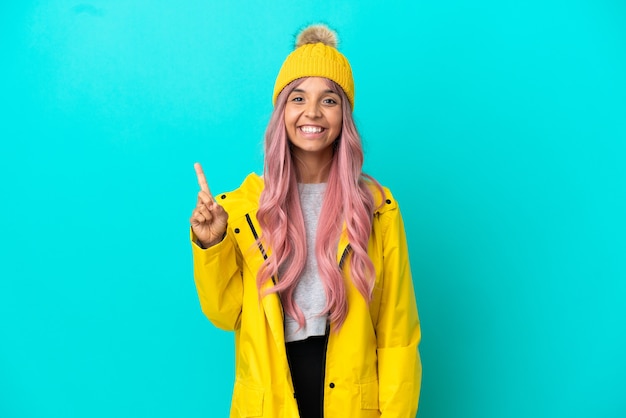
(208, 220)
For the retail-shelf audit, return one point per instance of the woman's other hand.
(208, 220)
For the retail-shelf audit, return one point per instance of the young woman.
(309, 263)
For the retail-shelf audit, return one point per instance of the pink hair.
(282, 223)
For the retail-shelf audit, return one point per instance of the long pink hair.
(347, 200)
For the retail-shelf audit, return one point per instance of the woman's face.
(313, 118)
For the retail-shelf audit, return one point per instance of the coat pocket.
(369, 394)
(248, 400)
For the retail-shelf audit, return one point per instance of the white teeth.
(311, 129)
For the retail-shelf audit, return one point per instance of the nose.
(313, 110)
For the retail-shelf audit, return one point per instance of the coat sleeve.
(218, 278)
(398, 329)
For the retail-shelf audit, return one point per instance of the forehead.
(313, 84)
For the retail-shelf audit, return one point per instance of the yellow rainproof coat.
(373, 367)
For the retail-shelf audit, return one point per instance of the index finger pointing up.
(204, 186)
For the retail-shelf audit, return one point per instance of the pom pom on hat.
(316, 55)
(315, 34)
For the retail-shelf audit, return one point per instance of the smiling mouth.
(311, 129)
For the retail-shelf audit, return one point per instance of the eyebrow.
(324, 92)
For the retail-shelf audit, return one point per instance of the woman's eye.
(330, 101)
(297, 99)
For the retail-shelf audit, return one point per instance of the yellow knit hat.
(316, 55)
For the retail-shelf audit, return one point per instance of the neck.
(312, 168)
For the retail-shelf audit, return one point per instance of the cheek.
(290, 118)
(337, 122)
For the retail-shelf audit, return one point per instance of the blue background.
(499, 125)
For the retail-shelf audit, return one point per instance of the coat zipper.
(344, 255)
(342, 260)
(256, 237)
(323, 389)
